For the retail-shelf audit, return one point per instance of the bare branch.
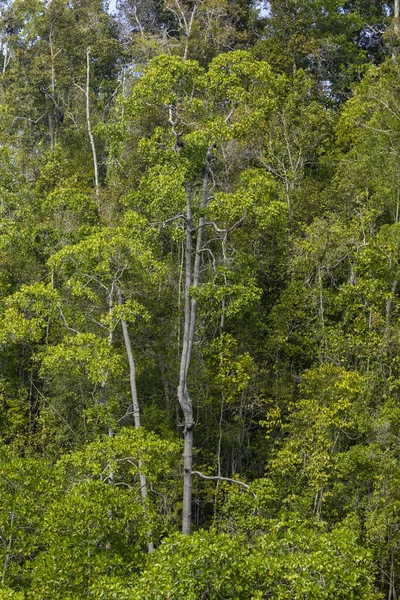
(220, 478)
(65, 321)
(163, 223)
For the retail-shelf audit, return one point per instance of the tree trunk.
(89, 124)
(53, 93)
(183, 392)
(103, 385)
(189, 330)
(395, 29)
(135, 403)
(51, 130)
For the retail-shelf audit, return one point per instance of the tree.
(177, 95)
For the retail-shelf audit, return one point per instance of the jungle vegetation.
(199, 300)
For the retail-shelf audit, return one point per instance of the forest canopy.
(199, 300)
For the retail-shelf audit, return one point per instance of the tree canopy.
(199, 300)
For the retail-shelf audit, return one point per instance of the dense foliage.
(199, 298)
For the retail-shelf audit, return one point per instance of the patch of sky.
(263, 8)
(112, 6)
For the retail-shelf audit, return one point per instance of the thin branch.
(214, 263)
(163, 223)
(52, 407)
(224, 231)
(219, 478)
(30, 120)
(65, 321)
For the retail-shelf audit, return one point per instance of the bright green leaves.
(92, 267)
(172, 572)
(217, 202)
(66, 525)
(103, 278)
(380, 259)
(27, 486)
(246, 90)
(230, 99)
(368, 303)
(255, 200)
(162, 193)
(107, 252)
(324, 419)
(232, 372)
(368, 136)
(98, 527)
(89, 533)
(297, 561)
(293, 141)
(130, 311)
(181, 92)
(10, 594)
(70, 208)
(241, 79)
(83, 355)
(134, 445)
(230, 294)
(27, 313)
(167, 81)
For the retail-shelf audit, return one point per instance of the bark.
(184, 20)
(395, 27)
(183, 392)
(51, 131)
(189, 330)
(392, 579)
(220, 478)
(89, 124)
(135, 403)
(53, 92)
(103, 385)
(5, 50)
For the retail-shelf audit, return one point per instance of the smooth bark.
(135, 402)
(103, 385)
(89, 124)
(192, 278)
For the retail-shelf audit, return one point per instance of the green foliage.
(66, 525)
(296, 561)
(27, 312)
(232, 373)
(325, 417)
(247, 173)
(86, 355)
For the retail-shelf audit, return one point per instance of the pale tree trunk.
(392, 579)
(89, 124)
(51, 131)
(189, 330)
(183, 392)
(5, 57)
(184, 19)
(103, 385)
(55, 114)
(4, 49)
(395, 28)
(53, 91)
(135, 403)
(389, 304)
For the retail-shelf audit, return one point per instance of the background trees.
(199, 225)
